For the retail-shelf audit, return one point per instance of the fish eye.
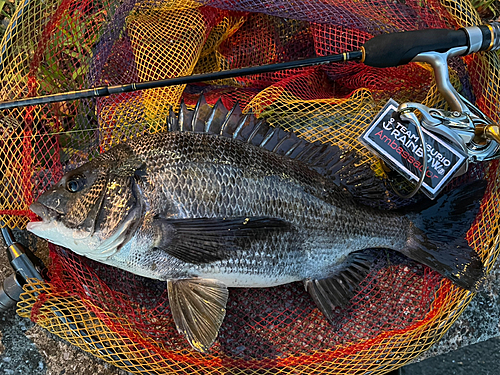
(76, 184)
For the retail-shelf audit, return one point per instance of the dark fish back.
(341, 167)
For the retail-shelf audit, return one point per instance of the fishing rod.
(386, 50)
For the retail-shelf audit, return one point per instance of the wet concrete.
(472, 344)
(28, 349)
(480, 321)
(479, 359)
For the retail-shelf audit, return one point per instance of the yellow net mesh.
(55, 46)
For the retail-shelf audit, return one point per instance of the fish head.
(94, 209)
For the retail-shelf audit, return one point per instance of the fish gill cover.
(402, 307)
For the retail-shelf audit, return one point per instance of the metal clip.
(12, 286)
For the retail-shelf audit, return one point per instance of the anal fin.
(341, 286)
(198, 307)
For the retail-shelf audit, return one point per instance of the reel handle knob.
(488, 132)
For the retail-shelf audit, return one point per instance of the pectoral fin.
(341, 286)
(198, 307)
(205, 240)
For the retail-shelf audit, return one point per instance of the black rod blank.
(110, 90)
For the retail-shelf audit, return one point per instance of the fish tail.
(437, 235)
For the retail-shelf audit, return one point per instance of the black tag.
(398, 144)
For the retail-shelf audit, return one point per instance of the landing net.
(54, 46)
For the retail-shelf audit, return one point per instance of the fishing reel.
(472, 132)
(464, 126)
(430, 145)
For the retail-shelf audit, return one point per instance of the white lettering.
(395, 133)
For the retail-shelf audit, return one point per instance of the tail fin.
(437, 235)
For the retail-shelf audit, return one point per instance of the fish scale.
(268, 185)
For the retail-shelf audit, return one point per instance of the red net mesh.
(401, 308)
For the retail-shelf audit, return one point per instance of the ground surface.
(478, 359)
(472, 344)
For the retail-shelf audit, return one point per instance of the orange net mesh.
(402, 307)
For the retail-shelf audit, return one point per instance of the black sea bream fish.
(223, 200)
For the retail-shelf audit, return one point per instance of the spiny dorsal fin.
(247, 128)
(343, 168)
(216, 116)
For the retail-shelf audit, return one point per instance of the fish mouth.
(45, 213)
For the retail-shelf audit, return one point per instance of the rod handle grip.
(389, 50)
